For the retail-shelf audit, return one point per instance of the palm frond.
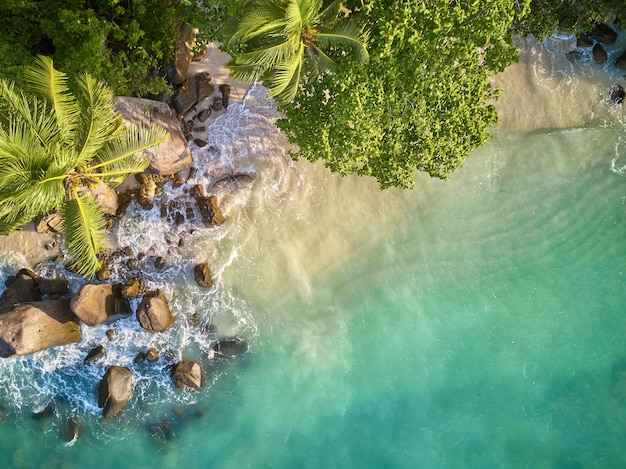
(98, 119)
(284, 81)
(16, 107)
(263, 18)
(330, 14)
(85, 232)
(346, 35)
(319, 61)
(45, 81)
(124, 150)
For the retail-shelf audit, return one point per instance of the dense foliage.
(287, 42)
(128, 44)
(55, 146)
(424, 100)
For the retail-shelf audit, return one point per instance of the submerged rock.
(31, 327)
(115, 390)
(618, 94)
(100, 304)
(620, 62)
(154, 314)
(187, 375)
(230, 346)
(72, 430)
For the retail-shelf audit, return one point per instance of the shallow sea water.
(475, 322)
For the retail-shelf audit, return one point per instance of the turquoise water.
(476, 322)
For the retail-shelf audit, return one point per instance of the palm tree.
(286, 42)
(55, 145)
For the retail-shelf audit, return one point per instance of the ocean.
(473, 322)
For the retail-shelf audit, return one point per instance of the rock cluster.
(599, 40)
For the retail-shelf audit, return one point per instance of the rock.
(204, 86)
(52, 223)
(161, 431)
(94, 354)
(187, 375)
(217, 103)
(159, 262)
(168, 157)
(20, 289)
(152, 355)
(115, 390)
(618, 94)
(133, 287)
(46, 412)
(73, 430)
(102, 303)
(105, 196)
(202, 116)
(202, 275)
(208, 206)
(225, 90)
(599, 54)
(584, 40)
(153, 313)
(177, 182)
(603, 33)
(182, 54)
(52, 286)
(194, 90)
(104, 273)
(620, 62)
(31, 327)
(110, 334)
(140, 358)
(132, 263)
(199, 143)
(230, 346)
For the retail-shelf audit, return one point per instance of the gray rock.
(604, 33)
(599, 54)
(187, 375)
(31, 327)
(170, 156)
(620, 62)
(100, 304)
(115, 390)
(230, 346)
(153, 313)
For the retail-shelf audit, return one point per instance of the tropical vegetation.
(55, 146)
(286, 43)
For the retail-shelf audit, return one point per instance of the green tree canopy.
(423, 102)
(54, 146)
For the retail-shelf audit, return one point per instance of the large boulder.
(100, 303)
(31, 327)
(187, 375)
(604, 33)
(168, 157)
(183, 54)
(21, 288)
(115, 390)
(194, 90)
(154, 314)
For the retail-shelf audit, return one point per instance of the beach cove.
(475, 321)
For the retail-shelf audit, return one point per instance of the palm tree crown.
(55, 145)
(285, 42)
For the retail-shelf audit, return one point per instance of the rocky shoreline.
(38, 313)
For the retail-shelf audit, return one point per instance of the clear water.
(476, 322)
